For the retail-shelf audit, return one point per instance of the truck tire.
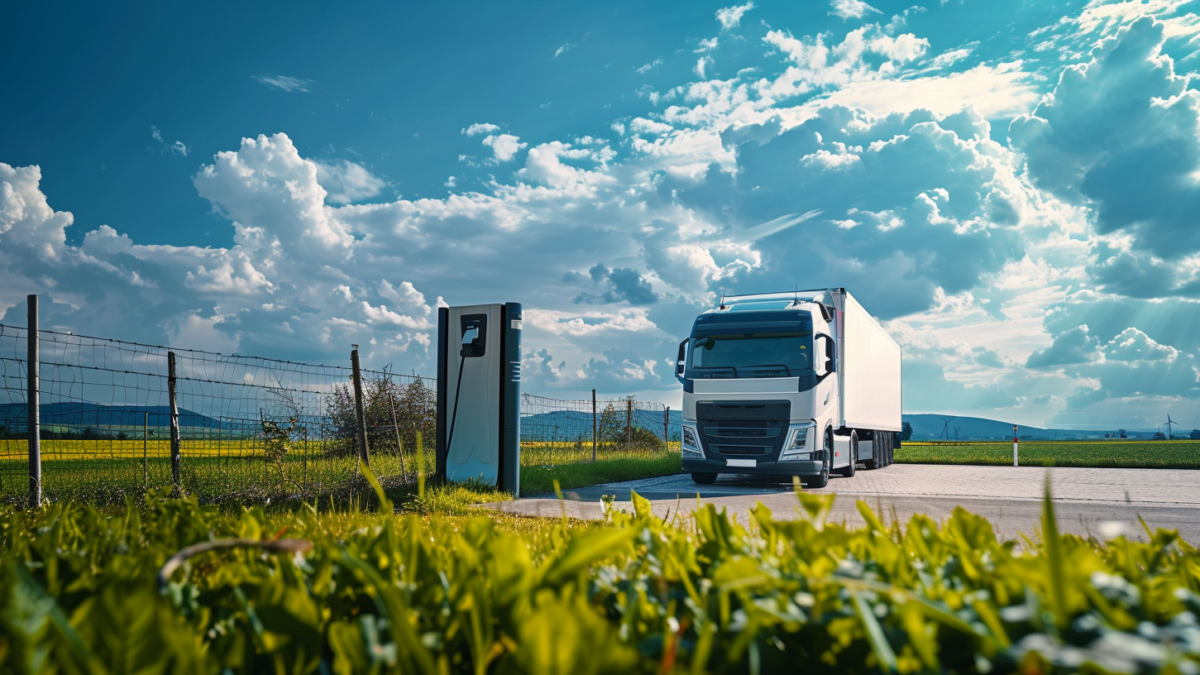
(822, 479)
(877, 446)
(848, 470)
(704, 478)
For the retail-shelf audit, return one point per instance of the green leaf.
(879, 644)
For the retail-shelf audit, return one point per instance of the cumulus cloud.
(730, 17)
(504, 146)
(345, 181)
(1119, 134)
(480, 128)
(852, 9)
(622, 285)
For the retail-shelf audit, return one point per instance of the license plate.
(742, 463)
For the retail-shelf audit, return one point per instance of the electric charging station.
(479, 395)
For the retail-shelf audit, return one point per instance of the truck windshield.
(777, 354)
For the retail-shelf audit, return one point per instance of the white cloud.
(852, 9)
(703, 63)
(346, 182)
(284, 82)
(175, 148)
(730, 17)
(480, 128)
(992, 91)
(951, 57)
(559, 52)
(645, 68)
(707, 45)
(504, 146)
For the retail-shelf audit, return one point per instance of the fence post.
(145, 442)
(1014, 445)
(629, 423)
(358, 408)
(593, 426)
(175, 454)
(667, 429)
(33, 403)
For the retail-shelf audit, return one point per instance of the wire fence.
(252, 429)
(561, 431)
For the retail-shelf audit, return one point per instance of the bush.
(413, 406)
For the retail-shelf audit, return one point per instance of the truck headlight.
(690, 442)
(799, 444)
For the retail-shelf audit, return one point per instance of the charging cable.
(462, 360)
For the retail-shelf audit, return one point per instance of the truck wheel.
(822, 479)
(704, 478)
(848, 470)
(877, 446)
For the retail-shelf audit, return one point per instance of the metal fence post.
(667, 429)
(629, 423)
(358, 407)
(33, 403)
(176, 458)
(593, 426)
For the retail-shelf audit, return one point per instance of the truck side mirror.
(824, 352)
(681, 360)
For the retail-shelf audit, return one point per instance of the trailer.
(800, 383)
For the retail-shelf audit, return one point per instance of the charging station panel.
(479, 395)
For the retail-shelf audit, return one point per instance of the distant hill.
(570, 424)
(81, 415)
(931, 427)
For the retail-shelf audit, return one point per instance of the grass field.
(540, 479)
(170, 586)
(1124, 454)
(239, 470)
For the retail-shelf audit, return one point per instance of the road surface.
(1103, 503)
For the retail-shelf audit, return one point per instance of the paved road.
(1099, 502)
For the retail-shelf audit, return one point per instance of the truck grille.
(743, 428)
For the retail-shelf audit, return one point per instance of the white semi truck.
(802, 383)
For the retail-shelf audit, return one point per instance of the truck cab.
(764, 390)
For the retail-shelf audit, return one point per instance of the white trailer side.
(870, 371)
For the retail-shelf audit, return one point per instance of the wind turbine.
(1169, 423)
(956, 433)
(946, 426)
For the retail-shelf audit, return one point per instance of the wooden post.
(667, 429)
(33, 401)
(593, 426)
(176, 458)
(358, 408)
(145, 443)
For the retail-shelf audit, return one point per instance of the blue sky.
(1013, 187)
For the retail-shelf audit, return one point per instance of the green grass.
(537, 480)
(1124, 454)
(309, 590)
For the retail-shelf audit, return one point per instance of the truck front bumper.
(761, 468)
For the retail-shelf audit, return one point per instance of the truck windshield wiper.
(774, 365)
